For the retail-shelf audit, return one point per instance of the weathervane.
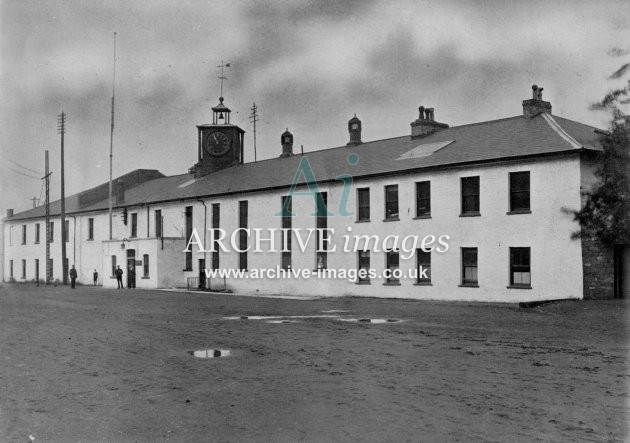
(222, 77)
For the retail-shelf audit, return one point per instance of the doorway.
(202, 273)
(131, 268)
(622, 271)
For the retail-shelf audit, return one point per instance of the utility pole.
(46, 177)
(254, 117)
(111, 142)
(61, 129)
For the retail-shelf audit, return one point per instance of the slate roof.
(504, 139)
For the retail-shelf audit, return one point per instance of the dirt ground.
(114, 365)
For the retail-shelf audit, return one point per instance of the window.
(423, 263)
(23, 269)
(242, 234)
(321, 233)
(11, 268)
(423, 199)
(286, 231)
(520, 271)
(36, 269)
(470, 195)
(134, 225)
(11, 235)
(216, 217)
(158, 223)
(23, 234)
(113, 265)
(391, 202)
(363, 204)
(364, 267)
(52, 231)
(51, 268)
(36, 232)
(188, 216)
(519, 191)
(67, 228)
(393, 262)
(145, 265)
(469, 267)
(90, 229)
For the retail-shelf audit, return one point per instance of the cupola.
(221, 114)
(354, 128)
(287, 144)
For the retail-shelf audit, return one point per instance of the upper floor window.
(134, 224)
(90, 228)
(23, 234)
(52, 231)
(470, 195)
(423, 199)
(391, 202)
(36, 232)
(158, 222)
(363, 204)
(519, 191)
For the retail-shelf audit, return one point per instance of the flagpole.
(111, 142)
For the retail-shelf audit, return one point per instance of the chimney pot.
(426, 123)
(9, 212)
(536, 104)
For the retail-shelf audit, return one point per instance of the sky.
(308, 65)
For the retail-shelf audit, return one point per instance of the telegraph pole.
(61, 129)
(254, 117)
(46, 177)
(111, 142)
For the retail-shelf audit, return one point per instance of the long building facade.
(472, 212)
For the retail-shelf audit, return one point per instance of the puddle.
(277, 317)
(371, 320)
(335, 311)
(211, 353)
(282, 321)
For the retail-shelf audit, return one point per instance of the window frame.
(464, 266)
(426, 198)
(90, 228)
(23, 234)
(365, 206)
(392, 281)
(390, 215)
(363, 262)
(145, 266)
(512, 193)
(286, 223)
(513, 251)
(421, 260)
(37, 233)
(467, 196)
(134, 225)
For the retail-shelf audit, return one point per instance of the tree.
(606, 212)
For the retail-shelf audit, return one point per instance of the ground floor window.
(469, 266)
(11, 268)
(50, 267)
(145, 265)
(393, 263)
(424, 266)
(36, 269)
(520, 271)
(113, 265)
(23, 268)
(364, 267)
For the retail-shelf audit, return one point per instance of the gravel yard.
(116, 365)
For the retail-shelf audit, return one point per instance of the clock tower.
(220, 144)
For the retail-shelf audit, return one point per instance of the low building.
(487, 198)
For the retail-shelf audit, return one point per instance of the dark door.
(202, 273)
(622, 271)
(131, 268)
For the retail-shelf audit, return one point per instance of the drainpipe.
(205, 218)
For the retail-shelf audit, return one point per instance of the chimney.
(354, 128)
(536, 104)
(120, 192)
(9, 212)
(287, 144)
(426, 123)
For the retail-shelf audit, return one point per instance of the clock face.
(217, 144)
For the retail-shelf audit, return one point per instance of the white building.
(493, 192)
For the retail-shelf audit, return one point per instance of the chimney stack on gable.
(426, 124)
(287, 144)
(536, 104)
(354, 128)
(120, 192)
(9, 212)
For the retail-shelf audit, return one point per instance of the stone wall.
(599, 269)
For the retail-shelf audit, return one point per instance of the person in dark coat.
(73, 277)
(95, 275)
(119, 274)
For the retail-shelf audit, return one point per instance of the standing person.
(132, 278)
(95, 277)
(119, 274)
(73, 277)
